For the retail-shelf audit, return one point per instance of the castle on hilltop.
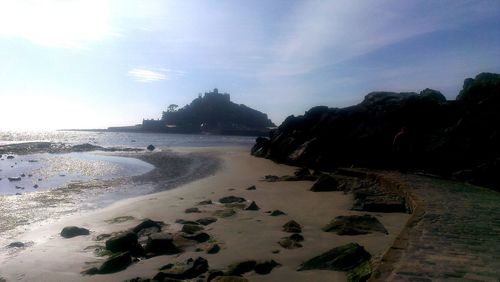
(213, 112)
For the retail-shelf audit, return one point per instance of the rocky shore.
(453, 138)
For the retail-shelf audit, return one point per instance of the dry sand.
(246, 235)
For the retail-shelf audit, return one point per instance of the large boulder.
(126, 242)
(343, 258)
(161, 244)
(73, 231)
(116, 263)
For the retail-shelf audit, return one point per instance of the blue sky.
(97, 63)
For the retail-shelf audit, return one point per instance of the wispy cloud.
(147, 75)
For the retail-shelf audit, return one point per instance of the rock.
(191, 229)
(150, 148)
(213, 273)
(277, 213)
(204, 203)
(229, 279)
(206, 220)
(35, 186)
(271, 178)
(297, 237)
(231, 199)
(23, 175)
(73, 231)
(10, 157)
(91, 271)
(265, 267)
(292, 227)
(355, 225)
(325, 183)
(252, 188)
(361, 273)
(192, 210)
(138, 279)
(161, 244)
(126, 242)
(101, 237)
(213, 249)
(144, 234)
(16, 245)
(116, 263)
(240, 268)
(14, 178)
(198, 237)
(288, 243)
(224, 213)
(147, 223)
(252, 207)
(301, 172)
(343, 258)
(188, 270)
(182, 221)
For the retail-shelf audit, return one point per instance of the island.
(211, 113)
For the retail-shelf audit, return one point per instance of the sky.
(98, 63)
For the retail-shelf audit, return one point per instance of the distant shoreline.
(127, 129)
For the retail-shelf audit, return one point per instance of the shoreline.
(239, 236)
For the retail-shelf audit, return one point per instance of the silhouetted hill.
(460, 137)
(211, 113)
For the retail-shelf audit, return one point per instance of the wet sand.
(245, 235)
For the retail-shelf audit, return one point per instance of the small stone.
(213, 249)
(206, 220)
(277, 213)
(297, 237)
(192, 210)
(252, 207)
(191, 229)
(182, 221)
(229, 279)
(292, 227)
(343, 258)
(231, 199)
(224, 213)
(252, 188)
(198, 237)
(275, 251)
(150, 148)
(16, 245)
(73, 231)
(288, 243)
(204, 203)
(147, 223)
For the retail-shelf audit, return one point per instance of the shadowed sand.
(246, 235)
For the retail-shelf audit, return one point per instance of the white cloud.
(146, 75)
(53, 23)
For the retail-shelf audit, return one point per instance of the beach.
(246, 235)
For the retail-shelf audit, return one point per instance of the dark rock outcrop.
(147, 223)
(240, 268)
(325, 183)
(116, 263)
(252, 207)
(343, 258)
(187, 270)
(161, 244)
(126, 242)
(355, 225)
(73, 231)
(206, 220)
(443, 136)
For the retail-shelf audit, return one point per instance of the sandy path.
(246, 235)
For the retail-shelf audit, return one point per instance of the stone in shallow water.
(355, 225)
(73, 231)
(343, 258)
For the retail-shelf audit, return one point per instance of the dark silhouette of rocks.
(123, 243)
(240, 268)
(343, 258)
(73, 231)
(161, 244)
(147, 223)
(199, 237)
(446, 136)
(265, 267)
(213, 249)
(151, 148)
(325, 183)
(252, 207)
(355, 225)
(191, 229)
(211, 113)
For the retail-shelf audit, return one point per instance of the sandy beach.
(246, 235)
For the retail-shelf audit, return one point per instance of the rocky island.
(212, 113)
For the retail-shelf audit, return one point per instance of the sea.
(39, 187)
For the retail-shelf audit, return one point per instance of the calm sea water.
(44, 187)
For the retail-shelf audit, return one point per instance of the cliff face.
(215, 112)
(460, 137)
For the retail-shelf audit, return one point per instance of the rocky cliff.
(459, 137)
